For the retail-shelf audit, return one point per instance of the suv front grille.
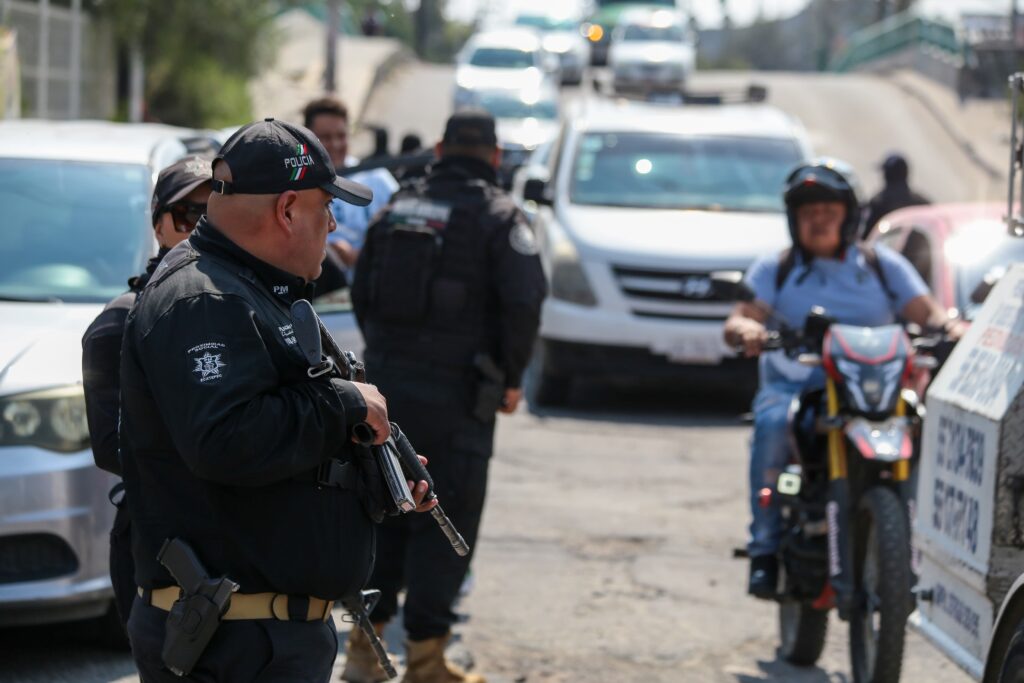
(666, 285)
(35, 557)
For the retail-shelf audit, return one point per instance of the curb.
(948, 127)
(399, 57)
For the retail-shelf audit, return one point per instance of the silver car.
(76, 226)
(652, 52)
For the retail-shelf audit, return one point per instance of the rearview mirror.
(536, 190)
(729, 285)
(987, 284)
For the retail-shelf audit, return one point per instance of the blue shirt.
(353, 220)
(848, 289)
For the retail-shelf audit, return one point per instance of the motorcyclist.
(825, 267)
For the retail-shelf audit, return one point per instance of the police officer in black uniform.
(447, 292)
(179, 200)
(226, 442)
(897, 193)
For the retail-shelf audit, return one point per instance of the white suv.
(640, 205)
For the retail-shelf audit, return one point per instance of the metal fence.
(67, 58)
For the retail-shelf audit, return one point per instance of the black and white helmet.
(824, 180)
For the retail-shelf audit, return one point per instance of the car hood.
(674, 238)
(41, 344)
(482, 78)
(564, 41)
(653, 52)
(528, 133)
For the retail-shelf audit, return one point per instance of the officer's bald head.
(235, 213)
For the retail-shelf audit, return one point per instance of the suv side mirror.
(987, 284)
(536, 190)
(728, 285)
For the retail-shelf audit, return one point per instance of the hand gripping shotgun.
(413, 469)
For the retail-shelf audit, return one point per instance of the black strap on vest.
(787, 262)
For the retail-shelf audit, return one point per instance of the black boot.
(764, 576)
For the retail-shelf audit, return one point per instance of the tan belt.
(252, 605)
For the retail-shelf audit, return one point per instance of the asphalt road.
(606, 552)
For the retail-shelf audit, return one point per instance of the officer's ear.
(286, 207)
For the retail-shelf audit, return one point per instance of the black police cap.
(470, 127)
(270, 157)
(177, 180)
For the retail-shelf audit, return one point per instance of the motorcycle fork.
(840, 552)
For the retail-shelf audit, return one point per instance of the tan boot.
(361, 664)
(426, 664)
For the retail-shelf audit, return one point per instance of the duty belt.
(249, 606)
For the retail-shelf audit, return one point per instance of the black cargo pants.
(433, 408)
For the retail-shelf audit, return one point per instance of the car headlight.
(568, 279)
(53, 419)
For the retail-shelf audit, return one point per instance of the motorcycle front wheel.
(802, 631)
(881, 547)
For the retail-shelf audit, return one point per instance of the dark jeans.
(257, 651)
(412, 552)
(122, 565)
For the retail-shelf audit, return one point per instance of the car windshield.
(72, 231)
(977, 258)
(653, 33)
(502, 58)
(544, 23)
(506, 107)
(665, 171)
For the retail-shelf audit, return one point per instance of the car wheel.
(550, 387)
(106, 631)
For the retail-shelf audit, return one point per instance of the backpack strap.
(787, 262)
(871, 258)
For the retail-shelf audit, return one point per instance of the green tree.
(199, 55)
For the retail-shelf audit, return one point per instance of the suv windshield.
(664, 171)
(72, 231)
(673, 34)
(502, 58)
(505, 107)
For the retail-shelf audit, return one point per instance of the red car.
(953, 246)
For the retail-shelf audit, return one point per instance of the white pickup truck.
(969, 528)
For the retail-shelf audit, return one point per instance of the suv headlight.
(53, 419)
(568, 279)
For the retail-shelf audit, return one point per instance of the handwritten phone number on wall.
(956, 515)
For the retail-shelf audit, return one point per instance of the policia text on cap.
(224, 436)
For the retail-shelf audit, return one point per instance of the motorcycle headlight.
(568, 279)
(53, 419)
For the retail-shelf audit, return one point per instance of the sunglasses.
(186, 215)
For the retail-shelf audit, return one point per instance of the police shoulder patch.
(522, 240)
(208, 362)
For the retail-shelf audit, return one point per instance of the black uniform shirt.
(475, 284)
(222, 430)
(101, 370)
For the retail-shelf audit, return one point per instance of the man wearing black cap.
(895, 195)
(179, 199)
(227, 443)
(447, 292)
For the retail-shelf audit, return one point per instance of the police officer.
(896, 194)
(179, 200)
(447, 293)
(226, 442)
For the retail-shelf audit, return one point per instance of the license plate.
(696, 350)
